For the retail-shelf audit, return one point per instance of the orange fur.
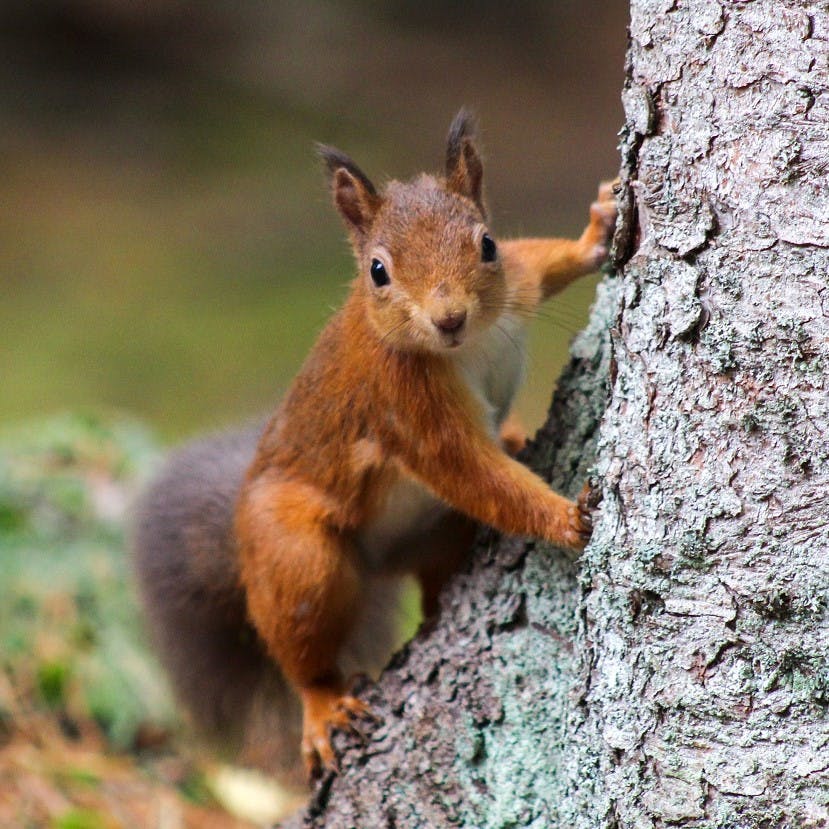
(384, 408)
(513, 435)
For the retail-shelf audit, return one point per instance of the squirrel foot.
(326, 709)
(599, 232)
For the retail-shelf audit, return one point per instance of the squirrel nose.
(451, 322)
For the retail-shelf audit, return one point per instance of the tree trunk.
(678, 674)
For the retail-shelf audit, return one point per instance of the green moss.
(80, 819)
(196, 789)
(12, 514)
(78, 777)
(83, 635)
(52, 681)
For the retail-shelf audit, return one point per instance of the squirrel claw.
(589, 498)
(351, 709)
(326, 713)
(318, 757)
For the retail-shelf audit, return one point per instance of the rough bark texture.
(679, 675)
(706, 585)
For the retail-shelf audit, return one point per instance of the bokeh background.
(168, 254)
(167, 247)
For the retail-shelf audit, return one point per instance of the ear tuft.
(463, 126)
(354, 195)
(464, 168)
(335, 159)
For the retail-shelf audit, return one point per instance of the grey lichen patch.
(564, 450)
(590, 343)
(684, 309)
(666, 304)
(784, 160)
(801, 672)
(776, 46)
(774, 115)
(774, 604)
(639, 109)
(470, 745)
(707, 17)
(676, 218)
(517, 771)
(694, 548)
(675, 800)
(718, 340)
(685, 227)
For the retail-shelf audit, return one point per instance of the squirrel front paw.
(579, 528)
(598, 234)
(580, 518)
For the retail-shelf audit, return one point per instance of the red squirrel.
(260, 555)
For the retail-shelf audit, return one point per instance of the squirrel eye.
(379, 274)
(488, 248)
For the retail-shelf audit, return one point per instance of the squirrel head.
(428, 267)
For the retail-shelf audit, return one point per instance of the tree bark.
(679, 673)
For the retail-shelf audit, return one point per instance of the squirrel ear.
(354, 195)
(464, 169)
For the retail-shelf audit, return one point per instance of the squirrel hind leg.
(274, 721)
(305, 591)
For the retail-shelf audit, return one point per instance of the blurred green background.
(168, 254)
(167, 248)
